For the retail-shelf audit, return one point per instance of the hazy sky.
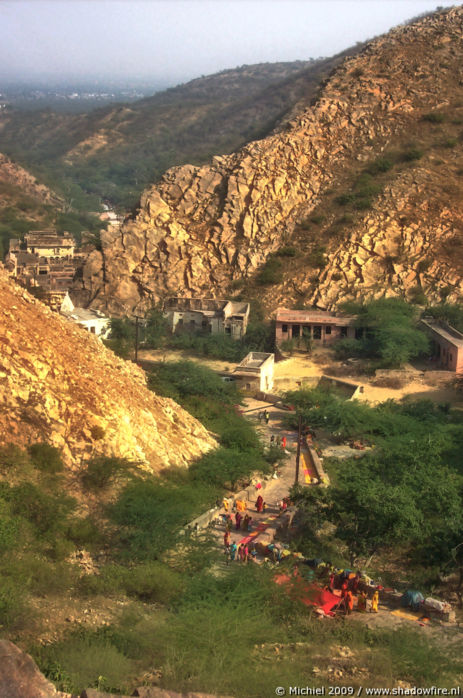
(175, 40)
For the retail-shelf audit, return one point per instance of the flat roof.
(83, 315)
(255, 359)
(313, 316)
(449, 333)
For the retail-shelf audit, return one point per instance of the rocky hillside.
(117, 151)
(359, 193)
(60, 385)
(14, 176)
(25, 203)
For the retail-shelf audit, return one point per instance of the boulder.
(20, 677)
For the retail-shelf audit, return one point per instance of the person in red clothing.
(238, 518)
(259, 503)
(283, 442)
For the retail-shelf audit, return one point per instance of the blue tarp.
(412, 599)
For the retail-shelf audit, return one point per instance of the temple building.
(45, 263)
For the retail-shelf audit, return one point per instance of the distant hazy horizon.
(166, 42)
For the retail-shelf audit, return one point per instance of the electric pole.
(298, 452)
(136, 338)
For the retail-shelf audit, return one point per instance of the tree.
(390, 329)
(156, 329)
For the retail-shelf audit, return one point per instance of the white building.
(93, 321)
(255, 371)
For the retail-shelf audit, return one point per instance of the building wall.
(266, 376)
(51, 251)
(449, 356)
(316, 331)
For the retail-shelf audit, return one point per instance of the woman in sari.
(259, 503)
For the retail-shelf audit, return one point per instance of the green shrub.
(345, 199)
(271, 272)
(417, 295)
(183, 379)
(450, 143)
(412, 153)
(81, 662)
(286, 251)
(317, 258)
(46, 458)
(83, 532)
(380, 165)
(227, 466)
(318, 219)
(103, 470)
(13, 459)
(13, 610)
(434, 117)
(363, 204)
(40, 576)
(153, 582)
(47, 513)
(151, 513)
(9, 528)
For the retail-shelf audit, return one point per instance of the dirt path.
(276, 489)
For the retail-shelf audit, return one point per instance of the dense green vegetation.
(447, 312)
(389, 333)
(406, 491)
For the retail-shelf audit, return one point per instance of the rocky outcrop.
(59, 384)
(202, 227)
(20, 677)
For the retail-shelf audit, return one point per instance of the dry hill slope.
(202, 227)
(60, 385)
(16, 176)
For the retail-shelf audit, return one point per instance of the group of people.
(349, 589)
(239, 552)
(265, 415)
(278, 441)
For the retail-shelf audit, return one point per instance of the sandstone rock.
(201, 227)
(59, 384)
(20, 676)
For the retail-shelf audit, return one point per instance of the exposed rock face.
(201, 227)
(59, 384)
(20, 677)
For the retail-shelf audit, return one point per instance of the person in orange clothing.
(349, 601)
(374, 603)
